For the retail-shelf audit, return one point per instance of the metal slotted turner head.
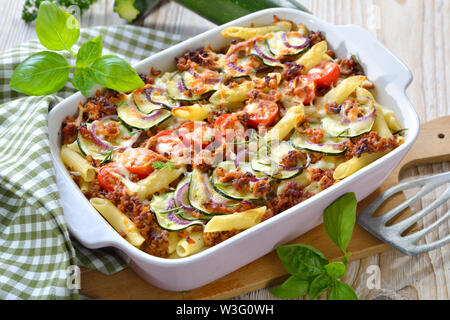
(393, 234)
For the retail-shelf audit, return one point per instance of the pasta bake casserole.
(229, 139)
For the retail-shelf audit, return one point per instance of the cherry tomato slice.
(325, 74)
(197, 134)
(106, 180)
(262, 112)
(169, 144)
(139, 160)
(228, 128)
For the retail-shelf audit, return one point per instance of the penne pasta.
(158, 180)
(195, 112)
(247, 33)
(190, 245)
(380, 126)
(174, 239)
(293, 116)
(354, 164)
(236, 221)
(390, 118)
(75, 162)
(118, 220)
(314, 56)
(303, 179)
(343, 90)
(74, 147)
(84, 185)
(229, 96)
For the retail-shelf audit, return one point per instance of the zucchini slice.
(130, 115)
(194, 78)
(150, 99)
(340, 126)
(201, 192)
(261, 50)
(286, 44)
(167, 214)
(227, 190)
(182, 200)
(329, 146)
(177, 90)
(242, 68)
(179, 85)
(268, 163)
(89, 147)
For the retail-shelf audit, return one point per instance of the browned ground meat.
(292, 71)
(69, 130)
(370, 143)
(260, 188)
(325, 177)
(316, 37)
(349, 67)
(239, 180)
(200, 56)
(292, 195)
(292, 158)
(157, 241)
(332, 108)
(315, 157)
(100, 106)
(315, 135)
(213, 238)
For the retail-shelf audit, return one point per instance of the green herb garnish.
(108, 156)
(158, 165)
(30, 7)
(311, 273)
(47, 72)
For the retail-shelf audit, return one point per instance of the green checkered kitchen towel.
(36, 251)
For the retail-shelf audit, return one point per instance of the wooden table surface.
(418, 32)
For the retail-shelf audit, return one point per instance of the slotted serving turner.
(392, 234)
(432, 146)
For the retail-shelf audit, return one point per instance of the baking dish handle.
(83, 221)
(383, 55)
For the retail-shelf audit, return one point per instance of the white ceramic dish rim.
(122, 244)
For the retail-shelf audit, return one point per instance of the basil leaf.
(115, 73)
(302, 260)
(341, 291)
(40, 74)
(292, 288)
(339, 220)
(336, 270)
(318, 285)
(56, 28)
(83, 81)
(90, 51)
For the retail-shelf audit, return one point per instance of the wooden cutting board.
(433, 145)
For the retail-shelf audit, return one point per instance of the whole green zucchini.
(223, 11)
(216, 11)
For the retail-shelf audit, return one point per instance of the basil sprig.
(47, 72)
(311, 273)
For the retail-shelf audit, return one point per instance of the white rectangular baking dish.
(391, 78)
